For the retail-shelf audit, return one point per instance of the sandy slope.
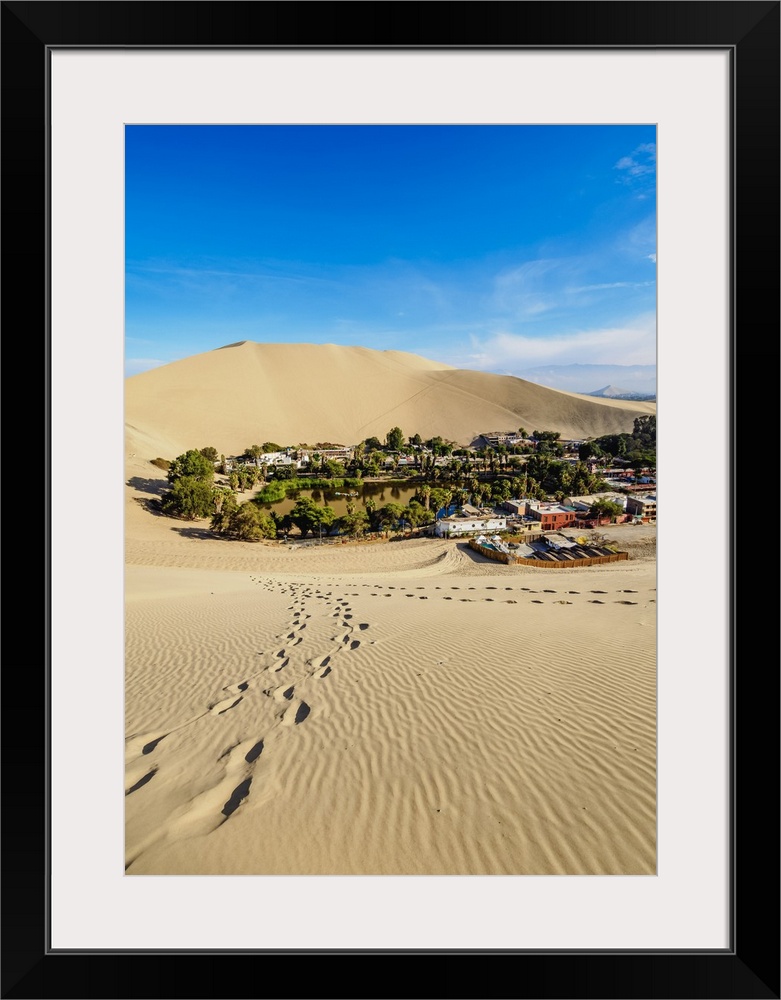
(401, 708)
(240, 395)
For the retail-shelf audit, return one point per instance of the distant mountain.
(639, 379)
(247, 393)
(613, 392)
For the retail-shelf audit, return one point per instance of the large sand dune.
(248, 393)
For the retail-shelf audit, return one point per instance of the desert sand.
(398, 708)
(248, 393)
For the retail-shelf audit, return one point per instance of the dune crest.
(241, 393)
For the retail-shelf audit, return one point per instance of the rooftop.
(551, 508)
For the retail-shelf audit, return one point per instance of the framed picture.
(705, 76)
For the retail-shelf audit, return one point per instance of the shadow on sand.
(155, 487)
(200, 533)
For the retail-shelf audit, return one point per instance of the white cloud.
(652, 257)
(640, 162)
(610, 284)
(630, 344)
(532, 288)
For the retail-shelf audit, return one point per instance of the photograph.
(390, 522)
(360, 636)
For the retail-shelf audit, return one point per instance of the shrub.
(189, 498)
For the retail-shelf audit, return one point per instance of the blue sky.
(497, 248)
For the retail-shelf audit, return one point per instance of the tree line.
(194, 495)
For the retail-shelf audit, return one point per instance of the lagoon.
(382, 493)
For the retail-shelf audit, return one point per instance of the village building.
(583, 504)
(516, 506)
(643, 507)
(494, 438)
(279, 458)
(469, 521)
(551, 515)
(339, 452)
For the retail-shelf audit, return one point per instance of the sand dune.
(389, 709)
(240, 394)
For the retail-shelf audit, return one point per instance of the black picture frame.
(749, 968)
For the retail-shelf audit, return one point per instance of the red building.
(552, 515)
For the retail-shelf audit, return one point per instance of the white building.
(460, 524)
(276, 458)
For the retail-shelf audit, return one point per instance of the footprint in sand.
(625, 602)
(236, 688)
(325, 673)
(252, 755)
(141, 782)
(152, 744)
(283, 693)
(363, 626)
(596, 602)
(296, 717)
(538, 602)
(225, 706)
(239, 793)
(355, 643)
(282, 665)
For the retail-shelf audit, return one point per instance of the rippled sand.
(397, 708)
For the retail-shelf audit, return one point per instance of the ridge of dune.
(241, 393)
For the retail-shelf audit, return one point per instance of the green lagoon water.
(381, 493)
